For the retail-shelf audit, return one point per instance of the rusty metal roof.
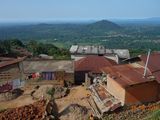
(103, 99)
(153, 64)
(127, 75)
(93, 63)
(6, 59)
(154, 61)
(10, 62)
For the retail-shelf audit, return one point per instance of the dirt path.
(77, 95)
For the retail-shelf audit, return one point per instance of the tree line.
(36, 48)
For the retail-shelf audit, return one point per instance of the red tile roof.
(126, 75)
(153, 64)
(93, 63)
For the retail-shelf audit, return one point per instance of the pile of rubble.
(34, 111)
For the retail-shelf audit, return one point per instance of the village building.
(89, 67)
(128, 84)
(81, 51)
(56, 71)
(11, 73)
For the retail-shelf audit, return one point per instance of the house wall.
(141, 93)
(79, 77)
(59, 76)
(69, 77)
(10, 72)
(115, 89)
(11, 77)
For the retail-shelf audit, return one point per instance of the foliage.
(40, 48)
(137, 38)
(136, 52)
(34, 47)
(155, 115)
(51, 91)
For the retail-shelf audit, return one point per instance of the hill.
(104, 25)
(57, 31)
(109, 34)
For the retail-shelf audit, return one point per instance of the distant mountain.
(63, 31)
(104, 25)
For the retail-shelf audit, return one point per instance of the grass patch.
(155, 115)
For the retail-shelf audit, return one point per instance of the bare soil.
(25, 98)
(77, 95)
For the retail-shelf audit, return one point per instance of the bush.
(51, 91)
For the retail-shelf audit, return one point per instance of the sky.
(78, 9)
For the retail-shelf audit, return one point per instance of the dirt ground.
(77, 95)
(24, 99)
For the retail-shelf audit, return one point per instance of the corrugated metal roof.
(48, 65)
(6, 59)
(93, 63)
(87, 49)
(153, 64)
(98, 49)
(103, 99)
(10, 62)
(127, 75)
(154, 61)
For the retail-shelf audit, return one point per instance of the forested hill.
(104, 25)
(58, 31)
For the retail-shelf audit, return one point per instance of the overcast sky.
(77, 9)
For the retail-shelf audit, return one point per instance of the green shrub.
(51, 91)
